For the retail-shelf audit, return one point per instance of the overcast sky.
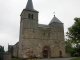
(10, 10)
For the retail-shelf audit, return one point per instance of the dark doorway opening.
(60, 53)
(45, 53)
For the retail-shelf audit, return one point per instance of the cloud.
(10, 10)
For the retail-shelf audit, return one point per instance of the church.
(39, 40)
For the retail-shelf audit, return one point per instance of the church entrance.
(60, 53)
(46, 52)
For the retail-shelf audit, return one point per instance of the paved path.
(57, 59)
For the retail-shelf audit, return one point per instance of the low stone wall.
(7, 56)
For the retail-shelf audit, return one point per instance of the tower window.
(32, 16)
(49, 34)
(29, 16)
(43, 34)
(33, 31)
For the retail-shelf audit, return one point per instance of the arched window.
(29, 16)
(32, 16)
(43, 34)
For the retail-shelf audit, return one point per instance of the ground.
(53, 59)
(57, 59)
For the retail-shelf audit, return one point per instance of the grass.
(75, 59)
(14, 59)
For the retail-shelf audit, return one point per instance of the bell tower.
(29, 16)
(28, 27)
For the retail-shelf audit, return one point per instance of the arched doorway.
(60, 53)
(46, 52)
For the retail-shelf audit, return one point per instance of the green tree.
(73, 33)
(0, 51)
(69, 48)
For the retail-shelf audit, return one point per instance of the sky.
(10, 10)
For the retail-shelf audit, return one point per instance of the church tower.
(28, 26)
(57, 25)
(58, 29)
(29, 16)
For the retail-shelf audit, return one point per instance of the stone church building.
(39, 40)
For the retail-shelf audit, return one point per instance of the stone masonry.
(44, 41)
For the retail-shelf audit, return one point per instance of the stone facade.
(10, 49)
(7, 56)
(44, 41)
(15, 49)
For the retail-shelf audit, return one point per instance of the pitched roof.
(55, 19)
(43, 26)
(29, 6)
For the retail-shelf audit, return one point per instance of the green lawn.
(75, 59)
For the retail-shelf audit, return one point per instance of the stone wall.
(33, 41)
(7, 56)
(33, 38)
(15, 49)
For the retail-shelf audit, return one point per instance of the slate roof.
(43, 26)
(10, 46)
(55, 19)
(29, 6)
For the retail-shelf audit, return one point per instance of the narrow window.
(49, 34)
(60, 52)
(43, 34)
(32, 16)
(29, 16)
(33, 31)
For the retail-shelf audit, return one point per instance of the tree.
(0, 51)
(69, 48)
(73, 33)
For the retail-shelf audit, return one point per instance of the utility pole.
(3, 53)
